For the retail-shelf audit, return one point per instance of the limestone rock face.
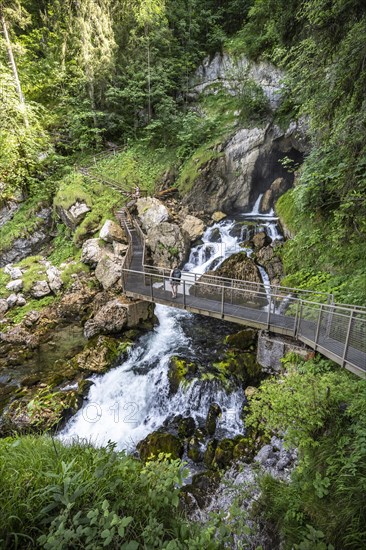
(167, 244)
(111, 231)
(221, 70)
(278, 187)
(194, 227)
(270, 260)
(108, 271)
(15, 286)
(4, 306)
(40, 289)
(111, 318)
(32, 244)
(54, 278)
(151, 212)
(92, 252)
(261, 239)
(74, 215)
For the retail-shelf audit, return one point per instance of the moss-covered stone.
(224, 453)
(245, 340)
(209, 455)
(186, 427)
(99, 354)
(203, 486)
(180, 371)
(194, 451)
(242, 365)
(159, 442)
(213, 414)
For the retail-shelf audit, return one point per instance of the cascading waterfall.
(133, 399)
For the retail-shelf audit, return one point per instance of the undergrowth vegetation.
(321, 410)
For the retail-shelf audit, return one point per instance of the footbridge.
(336, 331)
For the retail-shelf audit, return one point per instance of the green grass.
(191, 168)
(17, 315)
(140, 165)
(73, 188)
(76, 496)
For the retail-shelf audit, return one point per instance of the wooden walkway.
(337, 332)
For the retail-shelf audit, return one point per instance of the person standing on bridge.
(175, 276)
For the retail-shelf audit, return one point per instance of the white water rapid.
(133, 399)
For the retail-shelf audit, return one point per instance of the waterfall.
(133, 399)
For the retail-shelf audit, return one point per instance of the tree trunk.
(14, 67)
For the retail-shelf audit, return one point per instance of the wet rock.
(4, 306)
(194, 227)
(15, 286)
(109, 271)
(203, 487)
(224, 453)
(110, 319)
(19, 336)
(12, 300)
(167, 244)
(261, 239)
(213, 414)
(151, 212)
(92, 252)
(159, 442)
(13, 272)
(209, 455)
(54, 278)
(98, 356)
(180, 371)
(194, 449)
(243, 340)
(40, 289)
(186, 427)
(218, 216)
(268, 257)
(278, 187)
(111, 232)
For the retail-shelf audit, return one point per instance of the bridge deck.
(318, 333)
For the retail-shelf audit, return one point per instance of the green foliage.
(63, 247)
(60, 496)
(17, 315)
(322, 411)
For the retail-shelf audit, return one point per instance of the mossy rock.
(245, 449)
(203, 487)
(194, 451)
(242, 365)
(186, 427)
(213, 414)
(245, 340)
(209, 455)
(99, 354)
(224, 453)
(159, 442)
(180, 370)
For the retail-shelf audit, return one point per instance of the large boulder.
(269, 258)
(92, 252)
(241, 269)
(98, 355)
(109, 271)
(167, 244)
(13, 272)
(278, 187)
(111, 231)
(73, 215)
(151, 212)
(12, 300)
(40, 289)
(110, 319)
(159, 442)
(261, 239)
(194, 227)
(15, 286)
(54, 278)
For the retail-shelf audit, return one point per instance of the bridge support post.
(184, 294)
(222, 301)
(318, 325)
(151, 289)
(347, 338)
